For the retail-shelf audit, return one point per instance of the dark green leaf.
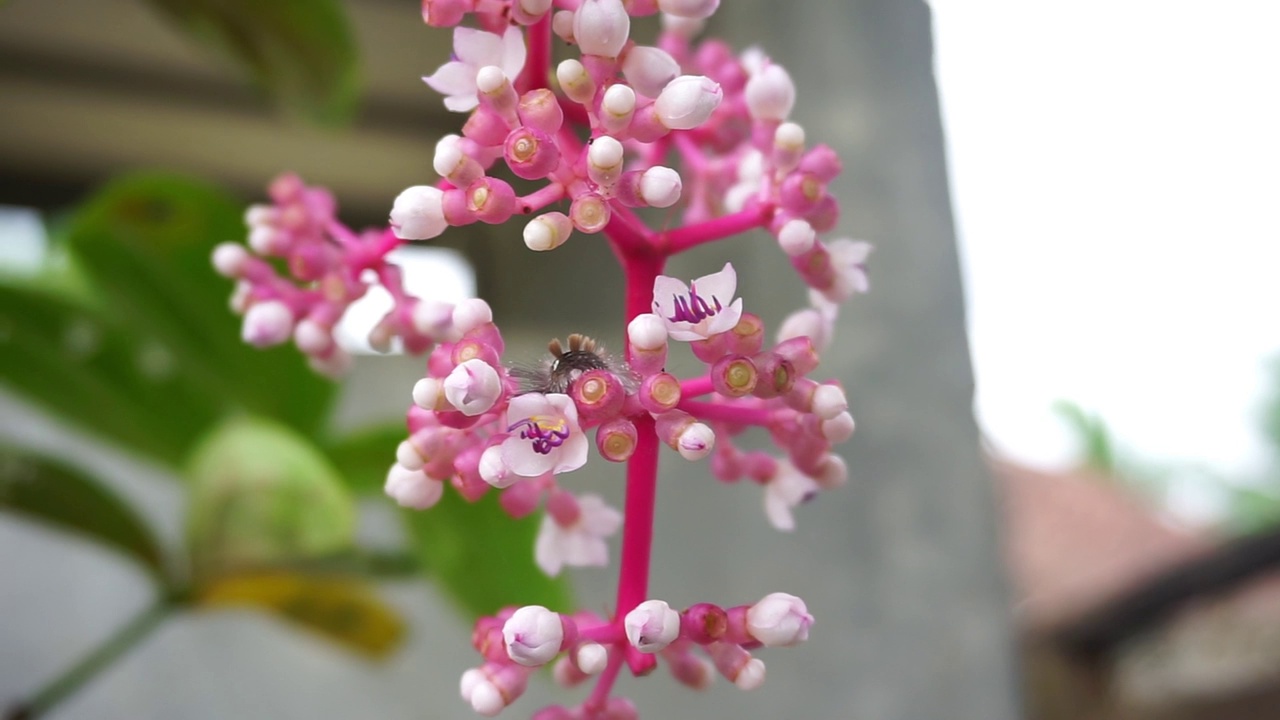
(45, 490)
(262, 495)
(340, 609)
(145, 242)
(85, 367)
(301, 51)
(363, 457)
(482, 557)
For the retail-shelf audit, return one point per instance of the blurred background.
(1101, 544)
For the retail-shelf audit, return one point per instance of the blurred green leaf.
(301, 51)
(343, 610)
(144, 242)
(1097, 450)
(363, 457)
(482, 557)
(262, 495)
(53, 493)
(78, 363)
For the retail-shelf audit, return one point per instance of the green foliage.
(482, 557)
(263, 496)
(301, 51)
(1097, 451)
(52, 493)
(364, 456)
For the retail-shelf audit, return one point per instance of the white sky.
(1115, 170)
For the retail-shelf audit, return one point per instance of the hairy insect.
(558, 370)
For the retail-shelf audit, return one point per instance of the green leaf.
(262, 495)
(94, 373)
(47, 491)
(1096, 447)
(301, 51)
(340, 609)
(363, 457)
(482, 557)
(145, 242)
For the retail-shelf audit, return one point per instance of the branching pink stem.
(681, 239)
(540, 198)
(693, 387)
(726, 412)
(538, 68)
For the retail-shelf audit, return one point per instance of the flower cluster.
(482, 425)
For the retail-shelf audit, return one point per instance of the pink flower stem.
(693, 387)
(538, 67)
(541, 197)
(600, 693)
(690, 236)
(726, 412)
(689, 152)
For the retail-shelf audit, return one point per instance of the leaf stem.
(99, 659)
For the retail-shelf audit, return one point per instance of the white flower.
(651, 626)
(581, 544)
(473, 387)
(533, 635)
(703, 308)
(779, 620)
(788, 488)
(411, 488)
(849, 259)
(545, 436)
(472, 50)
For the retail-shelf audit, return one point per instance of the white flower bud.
(696, 442)
(647, 332)
(779, 620)
(257, 215)
(697, 9)
(494, 469)
(618, 107)
(490, 79)
(789, 136)
(427, 393)
(750, 675)
(649, 69)
(412, 488)
(796, 237)
(770, 94)
(652, 626)
(267, 240)
(833, 472)
(575, 82)
(418, 213)
(267, 323)
(562, 25)
(687, 102)
(682, 27)
(548, 231)
(431, 318)
(312, 338)
(408, 457)
(592, 658)
(601, 27)
(448, 155)
(604, 160)
(660, 186)
(486, 699)
(229, 259)
(473, 387)
(803, 323)
(829, 401)
(533, 635)
(535, 8)
(838, 429)
(471, 314)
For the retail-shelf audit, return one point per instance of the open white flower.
(582, 543)
(787, 489)
(703, 308)
(474, 49)
(545, 435)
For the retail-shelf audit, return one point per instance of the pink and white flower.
(779, 620)
(545, 435)
(582, 542)
(849, 259)
(474, 49)
(787, 489)
(703, 308)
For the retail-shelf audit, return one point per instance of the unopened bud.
(533, 635)
(601, 27)
(687, 102)
(548, 231)
(779, 620)
(770, 94)
(267, 323)
(651, 626)
(649, 69)
(418, 213)
(412, 488)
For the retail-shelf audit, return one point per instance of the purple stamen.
(545, 439)
(694, 308)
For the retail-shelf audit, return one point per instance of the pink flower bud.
(601, 27)
(616, 440)
(698, 9)
(712, 348)
(822, 162)
(533, 635)
(229, 259)
(598, 394)
(779, 620)
(539, 110)
(473, 387)
(453, 164)
(687, 102)
(493, 686)
(737, 666)
(651, 626)
(519, 500)
(704, 623)
(312, 338)
(734, 376)
(492, 200)
(548, 231)
(485, 127)
(620, 708)
(770, 94)
(267, 323)
(800, 194)
(796, 237)
(747, 337)
(575, 82)
(531, 154)
(659, 393)
(590, 213)
(470, 348)
(777, 376)
(443, 13)
(412, 488)
(418, 213)
(649, 69)
(604, 160)
(799, 351)
(691, 670)
(838, 429)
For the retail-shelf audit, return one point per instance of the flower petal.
(721, 285)
(546, 548)
(477, 48)
(725, 320)
(519, 455)
(665, 290)
(597, 517)
(453, 79)
(513, 52)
